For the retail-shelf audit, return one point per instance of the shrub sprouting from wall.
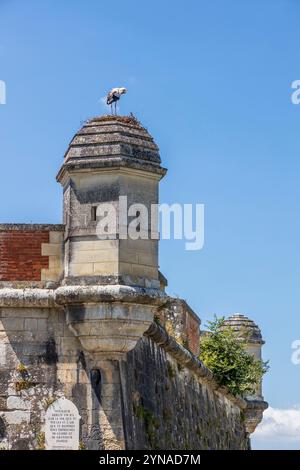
(223, 351)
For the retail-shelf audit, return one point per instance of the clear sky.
(211, 80)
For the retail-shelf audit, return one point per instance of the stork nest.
(131, 119)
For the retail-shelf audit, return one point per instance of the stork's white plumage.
(113, 96)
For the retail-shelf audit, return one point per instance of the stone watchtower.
(111, 160)
(246, 328)
(84, 314)
(249, 330)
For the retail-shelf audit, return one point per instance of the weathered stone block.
(11, 324)
(81, 269)
(51, 274)
(51, 249)
(106, 268)
(16, 417)
(56, 237)
(3, 406)
(31, 324)
(17, 403)
(42, 324)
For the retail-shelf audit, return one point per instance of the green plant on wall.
(21, 368)
(151, 422)
(81, 446)
(225, 355)
(25, 381)
(23, 384)
(40, 439)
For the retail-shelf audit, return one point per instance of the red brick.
(21, 255)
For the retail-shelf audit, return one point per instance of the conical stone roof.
(239, 322)
(110, 141)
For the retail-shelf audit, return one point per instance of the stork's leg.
(111, 108)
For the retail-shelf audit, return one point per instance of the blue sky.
(212, 82)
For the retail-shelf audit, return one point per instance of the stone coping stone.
(32, 227)
(48, 298)
(109, 293)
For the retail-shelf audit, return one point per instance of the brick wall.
(193, 333)
(30, 252)
(21, 255)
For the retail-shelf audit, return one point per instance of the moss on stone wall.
(169, 408)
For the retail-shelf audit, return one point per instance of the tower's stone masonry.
(89, 319)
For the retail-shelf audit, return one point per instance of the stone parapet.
(160, 336)
(27, 298)
(109, 293)
(32, 227)
(252, 408)
(45, 298)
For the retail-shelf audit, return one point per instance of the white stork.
(113, 96)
